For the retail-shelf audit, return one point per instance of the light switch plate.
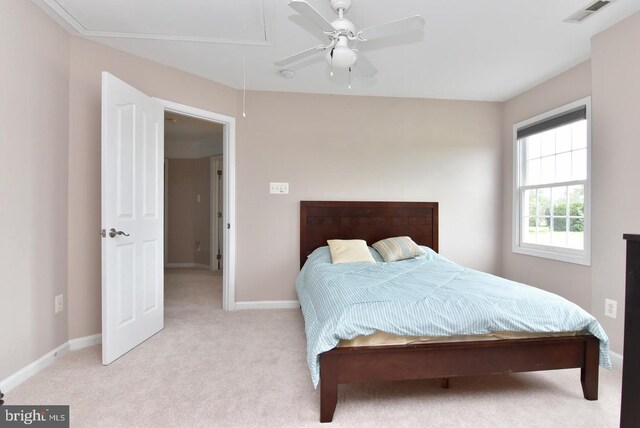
(59, 303)
(279, 188)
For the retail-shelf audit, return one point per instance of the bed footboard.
(444, 360)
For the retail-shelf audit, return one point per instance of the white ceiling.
(474, 50)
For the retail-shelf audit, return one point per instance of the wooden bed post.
(589, 369)
(328, 386)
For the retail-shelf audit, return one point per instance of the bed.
(374, 221)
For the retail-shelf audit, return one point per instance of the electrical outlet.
(610, 308)
(59, 303)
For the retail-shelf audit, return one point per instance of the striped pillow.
(400, 248)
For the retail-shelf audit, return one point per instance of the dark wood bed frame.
(373, 221)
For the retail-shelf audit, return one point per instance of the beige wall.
(453, 146)
(361, 154)
(616, 176)
(566, 279)
(611, 78)
(34, 121)
(362, 148)
(188, 219)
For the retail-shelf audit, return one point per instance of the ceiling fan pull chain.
(244, 69)
(244, 87)
(349, 77)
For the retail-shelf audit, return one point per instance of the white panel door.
(132, 217)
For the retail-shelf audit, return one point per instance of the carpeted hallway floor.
(210, 368)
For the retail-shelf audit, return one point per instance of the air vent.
(588, 11)
(597, 6)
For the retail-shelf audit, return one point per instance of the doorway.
(221, 197)
(193, 192)
(132, 214)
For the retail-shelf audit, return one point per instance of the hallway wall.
(189, 221)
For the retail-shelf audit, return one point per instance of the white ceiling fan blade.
(364, 67)
(405, 25)
(304, 8)
(299, 55)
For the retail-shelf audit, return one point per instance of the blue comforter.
(425, 296)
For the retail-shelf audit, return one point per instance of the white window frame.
(582, 257)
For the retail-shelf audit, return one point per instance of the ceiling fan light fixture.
(341, 57)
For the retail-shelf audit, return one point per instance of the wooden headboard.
(371, 221)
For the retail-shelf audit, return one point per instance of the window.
(552, 186)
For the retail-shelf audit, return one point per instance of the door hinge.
(103, 233)
(219, 172)
(219, 257)
(219, 215)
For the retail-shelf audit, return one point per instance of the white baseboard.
(85, 342)
(40, 364)
(187, 265)
(268, 304)
(616, 361)
(46, 360)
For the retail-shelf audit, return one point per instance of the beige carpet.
(210, 368)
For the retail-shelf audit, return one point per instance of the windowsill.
(560, 256)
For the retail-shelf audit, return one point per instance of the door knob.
(113, 233)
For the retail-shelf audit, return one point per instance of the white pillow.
(349, 251)
(400, 248)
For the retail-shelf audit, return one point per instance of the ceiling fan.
(341, 32)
